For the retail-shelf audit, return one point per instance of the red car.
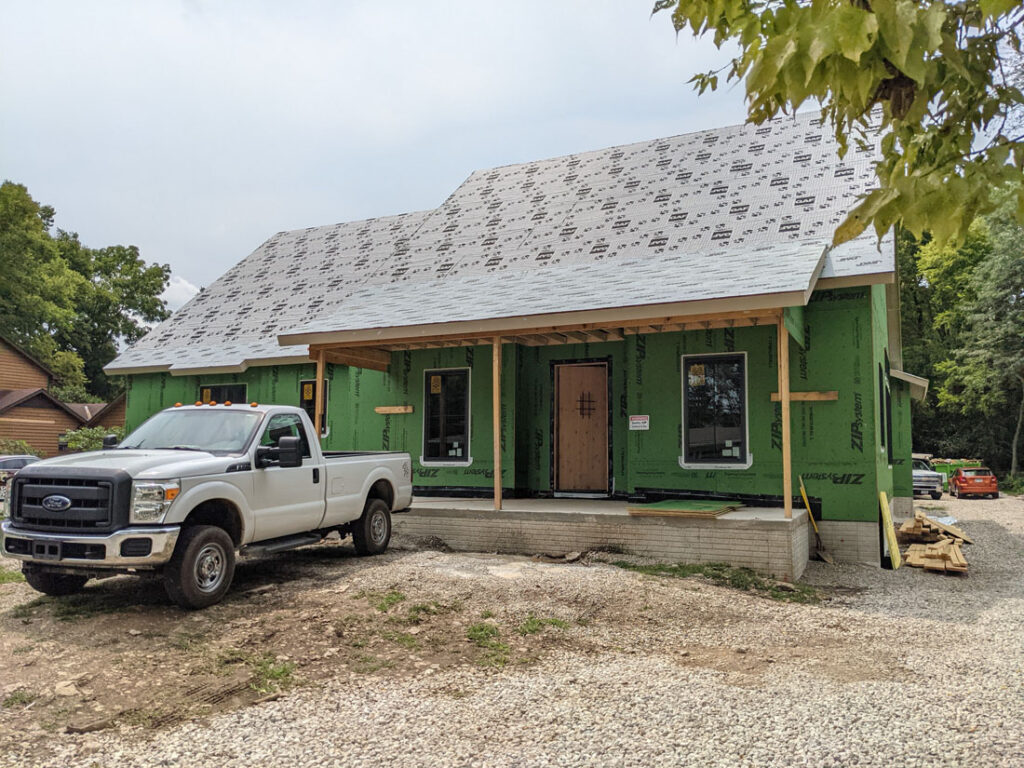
(973, 481)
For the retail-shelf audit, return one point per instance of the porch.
(765, 539)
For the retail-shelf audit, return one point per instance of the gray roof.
(732, 212)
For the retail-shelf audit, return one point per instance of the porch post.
(321, 364)
(496, 389)
(787, 463)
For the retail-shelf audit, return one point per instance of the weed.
(268, 674)
(485, 636)
(22, 649)
(365, 664)
(388, 601)
(533, 625)
(145, 718)
(10, 577)
(745, 579)
(25, 610)
(487, 615)
(187, 641)
(402, 638)
(20, 698)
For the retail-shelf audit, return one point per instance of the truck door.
(287, 500)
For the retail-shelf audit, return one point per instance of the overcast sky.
(195, 130)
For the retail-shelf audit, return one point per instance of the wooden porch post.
(321, 364)
(496, 388)
(787, 463)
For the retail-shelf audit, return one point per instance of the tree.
(90, 438)
(69, 305)
(940, 71)
(986, 373)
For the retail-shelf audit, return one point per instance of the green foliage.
(68, 305)
(963, 327)
(17, 447)
(91, 438)
(532, 625)
(945, 73)
(10, 577)
(494, 652)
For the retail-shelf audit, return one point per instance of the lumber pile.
(923, 529)
(944, 556)
(685, 508)
(937, 546)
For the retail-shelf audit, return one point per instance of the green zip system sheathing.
(838, 446)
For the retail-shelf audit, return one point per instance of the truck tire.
(372, 532)
(199, 573)
(936, 495)
(51, 583)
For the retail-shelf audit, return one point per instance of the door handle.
(316, 475)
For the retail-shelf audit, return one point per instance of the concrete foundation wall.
(776, 547)
(850, 542)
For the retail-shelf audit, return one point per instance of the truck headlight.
(151, 500)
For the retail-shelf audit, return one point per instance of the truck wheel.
(936, 495)
(372, 532)
(55, 584)
(199, 573)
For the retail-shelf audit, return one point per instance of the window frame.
(325, 428)
(709, 465)
(445, 462)
(307, 449)
(243, 384)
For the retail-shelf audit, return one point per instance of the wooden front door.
(581, 427)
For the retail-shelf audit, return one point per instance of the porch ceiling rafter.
(376, 354)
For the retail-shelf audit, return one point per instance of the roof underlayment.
(743, 213)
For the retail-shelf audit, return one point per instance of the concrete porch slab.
(759, 538)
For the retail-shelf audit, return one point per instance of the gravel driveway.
(607, 667)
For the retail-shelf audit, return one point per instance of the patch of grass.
(387, 602)
(146, 718)
(403, 639)
(366, 664)
(268, 674)
(745, 579)
(22, 649)
(20, 698)
(487, 615)
(25, 610)
(10, 577)
(494, 652)
(187, 641)
(533, 625)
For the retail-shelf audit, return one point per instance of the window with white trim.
(715, 409)
(446, 416)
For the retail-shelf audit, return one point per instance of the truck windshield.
(206, 430)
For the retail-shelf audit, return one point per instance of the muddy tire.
(199, 573)
(372, 532)
(54, 584)
(936, 495)
(995, 495)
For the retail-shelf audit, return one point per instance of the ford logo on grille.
(56, 503)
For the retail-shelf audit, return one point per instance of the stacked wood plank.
(938, 545)
(685, 508)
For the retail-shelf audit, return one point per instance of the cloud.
(179, 291)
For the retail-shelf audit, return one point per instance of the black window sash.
(446, 415)
(703, 410)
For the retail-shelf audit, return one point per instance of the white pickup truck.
(190, 487)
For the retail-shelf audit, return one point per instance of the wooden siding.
(38, 425)
(18, 372)
(114, 417)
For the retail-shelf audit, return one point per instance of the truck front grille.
(90, 509)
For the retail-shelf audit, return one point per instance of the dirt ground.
(120, 657)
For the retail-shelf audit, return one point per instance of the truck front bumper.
(142, 547)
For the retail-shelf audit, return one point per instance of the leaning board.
(890, 531)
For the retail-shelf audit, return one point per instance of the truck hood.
(924, 474)
(143, 464)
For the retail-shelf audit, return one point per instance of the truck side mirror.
(289, 451)
(109, 441)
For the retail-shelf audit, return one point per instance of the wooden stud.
(808, 397)
(321, 367)
(496, 406)
(787, 461)
(392, 409)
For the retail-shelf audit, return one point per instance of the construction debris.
(938, 547)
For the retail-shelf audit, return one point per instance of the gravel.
(899, 668)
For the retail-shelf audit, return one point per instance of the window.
(307, 401)
(222, 393)
(715, 410)
(285, 425)
(446, 416)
